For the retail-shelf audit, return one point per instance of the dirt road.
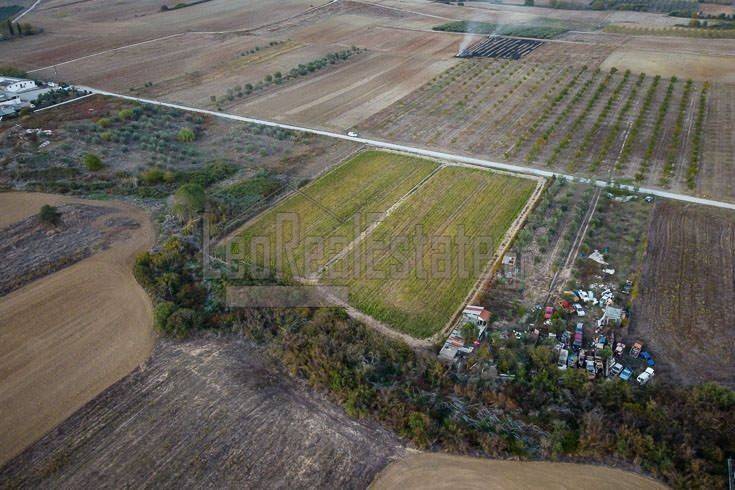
(426, 470)
(66, 337)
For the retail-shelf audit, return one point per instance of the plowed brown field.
(684, 310)
(66, 337)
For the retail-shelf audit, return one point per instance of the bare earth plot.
(68, 336)
(344, 96)
(206, 412)
(684, 308)
(75, 29)
(440, 471)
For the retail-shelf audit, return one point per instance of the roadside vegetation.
(709, 32)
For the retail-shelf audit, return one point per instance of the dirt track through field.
(66, 337)
(438, 471)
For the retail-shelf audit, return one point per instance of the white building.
(8, 84)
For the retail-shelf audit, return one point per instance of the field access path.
(436, 155)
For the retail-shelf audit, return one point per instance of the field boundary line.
(63, 103)
(492, 266)
(368, 231)
(437, 155)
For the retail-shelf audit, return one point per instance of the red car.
(548, 312)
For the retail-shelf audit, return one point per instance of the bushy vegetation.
(49, 215)
(248, 194)
(56, 96)
(680, 435)
(10, 30)
(181, 5)
(475, 27)
(92, 162)
(11, 71)
(664, 6)
(172, 277)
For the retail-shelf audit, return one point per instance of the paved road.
(425, 152)
(26, 11)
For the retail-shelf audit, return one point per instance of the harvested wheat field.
(207, 412)
(419, 471)
(684, 311)
(67, 336)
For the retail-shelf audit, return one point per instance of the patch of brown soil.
(426, 470)
(66, 337)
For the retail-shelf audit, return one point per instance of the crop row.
(633, 133)
(547, 112)
(581, 118)
(676, 144)
(601, 116)
(663, 109)
(617, 126)
(694, 160)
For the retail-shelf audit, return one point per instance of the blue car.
(626, 374)
(649, 359)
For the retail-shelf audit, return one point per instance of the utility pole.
(730, 474)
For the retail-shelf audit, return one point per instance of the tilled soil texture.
(684, 312)
(66, 337)
(206, 412)
(32, 249)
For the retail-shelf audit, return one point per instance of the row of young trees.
(663, 109)
(564, 143)
(696, 149)
(637, 124)
(548, 110)
(277, 78)
(601, 117)
(675, 145)
(618, 125)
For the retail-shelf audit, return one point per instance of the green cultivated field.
(369, 183)
(484, 204)
(395, 273)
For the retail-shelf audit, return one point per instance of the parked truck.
(645, 376)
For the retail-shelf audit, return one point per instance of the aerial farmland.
(369, 225)
(367, 243)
